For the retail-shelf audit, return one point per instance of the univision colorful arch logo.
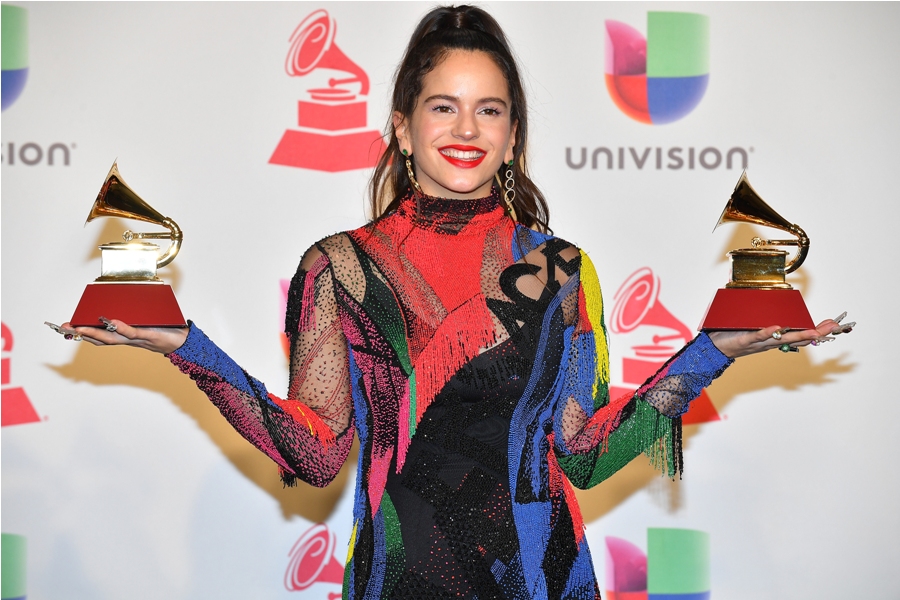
(661, 78)
(675, 567)
(14, 56)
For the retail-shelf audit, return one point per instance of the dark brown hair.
(441, 31)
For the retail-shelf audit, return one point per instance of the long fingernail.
(68, 336)
(840, 317)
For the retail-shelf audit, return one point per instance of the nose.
(466, 126)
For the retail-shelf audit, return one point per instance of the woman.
(463, 344)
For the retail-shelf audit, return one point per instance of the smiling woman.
(463, 344)
(461, 131)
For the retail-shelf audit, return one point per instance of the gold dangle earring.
(509, 194)
(409, 171)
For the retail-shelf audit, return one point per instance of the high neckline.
(447, 215)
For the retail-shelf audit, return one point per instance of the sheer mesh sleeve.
(309, 433)
(596, 435)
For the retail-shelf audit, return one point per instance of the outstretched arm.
(309, 432)
(596, 435)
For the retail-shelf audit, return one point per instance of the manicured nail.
(840, 317)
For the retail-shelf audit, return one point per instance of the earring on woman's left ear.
(409, 171)
(509, 194)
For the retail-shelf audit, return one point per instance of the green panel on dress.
(644, 431)
(396, 557)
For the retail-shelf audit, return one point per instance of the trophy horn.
(747, 206)
(117, 199)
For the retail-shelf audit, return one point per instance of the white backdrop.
(131, 486)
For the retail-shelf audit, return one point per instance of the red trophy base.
(138, 304)
(754, 308)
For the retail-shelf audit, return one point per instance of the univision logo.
(661, 78)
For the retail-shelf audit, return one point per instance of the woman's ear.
(511, 148)
(400, 131)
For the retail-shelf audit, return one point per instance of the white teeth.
(468, 155)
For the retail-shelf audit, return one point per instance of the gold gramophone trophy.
(128, 288)
(757, 295)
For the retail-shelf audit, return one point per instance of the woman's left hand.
(734, 344)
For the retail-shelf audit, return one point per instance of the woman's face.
(460, 131)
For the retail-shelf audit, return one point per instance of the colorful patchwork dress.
(469, 355)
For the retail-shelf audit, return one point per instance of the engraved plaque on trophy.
(128, 288)
(757, 295)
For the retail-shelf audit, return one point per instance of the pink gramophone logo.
(332, 134)
(16, 407)
(636, 305)
(313, 561)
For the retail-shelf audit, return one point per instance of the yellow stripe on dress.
(594, 303)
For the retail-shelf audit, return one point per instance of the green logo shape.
(677, 44)
(14, 40)
(677, 561)
(13, 560)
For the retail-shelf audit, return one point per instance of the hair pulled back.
(441, 31)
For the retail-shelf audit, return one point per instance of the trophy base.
(139, 304)
(746, 308)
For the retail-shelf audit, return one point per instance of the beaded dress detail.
(469, 355)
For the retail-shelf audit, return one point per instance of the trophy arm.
(175, 246)
(802, 249)
(802, 243)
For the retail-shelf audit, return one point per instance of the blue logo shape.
(14, 57)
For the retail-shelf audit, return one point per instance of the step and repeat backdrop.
(254, 126)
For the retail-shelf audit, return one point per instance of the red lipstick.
(464, 157)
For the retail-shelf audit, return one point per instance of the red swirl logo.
(312, 561)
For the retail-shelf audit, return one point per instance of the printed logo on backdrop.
(14, 567)
(637, 307)
(656, 80)
(675, 567)
(14, 57)
(663, 77)
(312, 561)
(16, 407)
(331, 133)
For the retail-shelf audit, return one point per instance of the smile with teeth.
(463, 156)
(471, 155)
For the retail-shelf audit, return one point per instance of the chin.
(470, 188)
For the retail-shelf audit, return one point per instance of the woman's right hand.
(116, 333)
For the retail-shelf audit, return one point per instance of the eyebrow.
(456, 99)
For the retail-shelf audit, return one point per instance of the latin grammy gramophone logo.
(16, 408)
(636, 305)
(331, 132)
(312, 561)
